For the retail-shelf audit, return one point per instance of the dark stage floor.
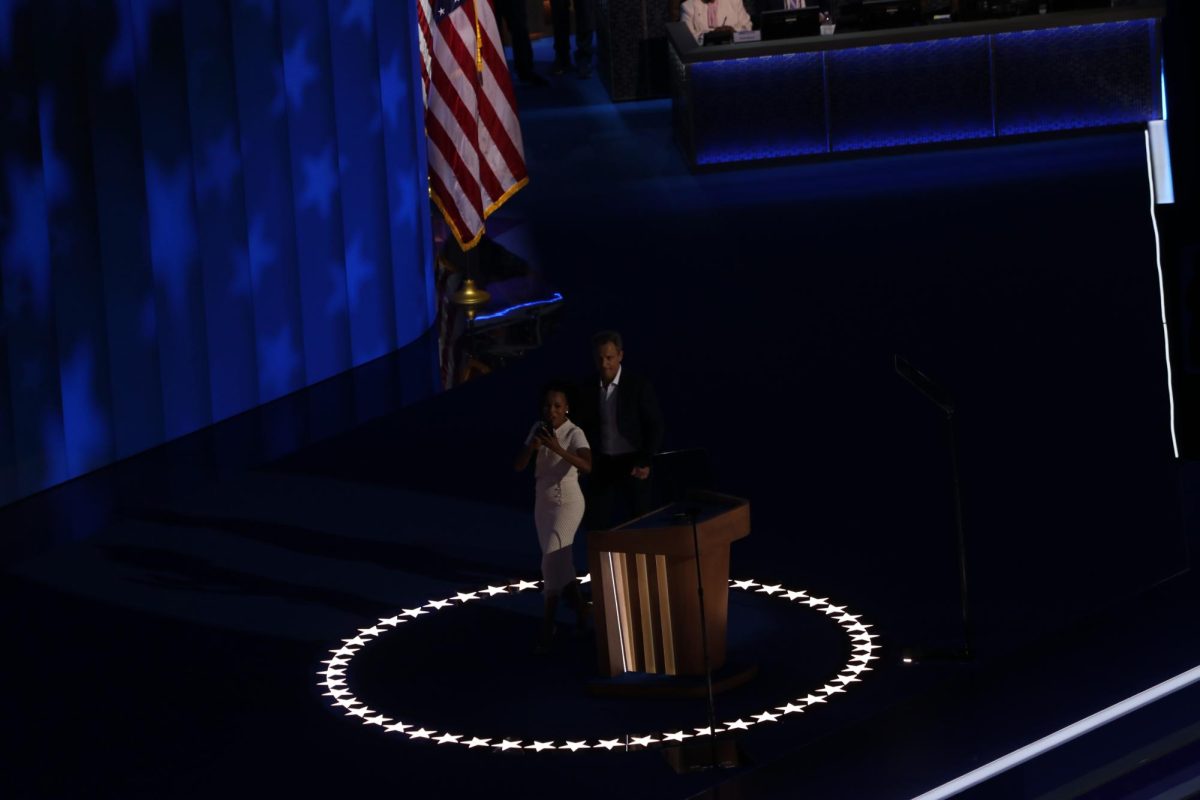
(175, 654)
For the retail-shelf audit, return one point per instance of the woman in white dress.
(562, 453)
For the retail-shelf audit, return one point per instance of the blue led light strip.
(555, 298)
(1001, 108)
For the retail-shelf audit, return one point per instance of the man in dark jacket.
(618, 410)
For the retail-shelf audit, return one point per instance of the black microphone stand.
(692, 513)
(942, 399)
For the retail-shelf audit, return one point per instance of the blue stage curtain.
(205, 205)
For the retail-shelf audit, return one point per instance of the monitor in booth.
(878, 14)
(790, 24)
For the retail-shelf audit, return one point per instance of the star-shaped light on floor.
(585, 578)
(334, 676)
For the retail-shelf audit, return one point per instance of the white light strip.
(334, 677)
(612, 582)
(1160, 162)
(1060, 737)
(1162, 297)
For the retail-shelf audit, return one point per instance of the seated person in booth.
(704, 16)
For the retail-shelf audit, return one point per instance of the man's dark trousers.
(560, 14)
(513, 14)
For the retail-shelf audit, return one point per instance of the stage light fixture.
(334, 675)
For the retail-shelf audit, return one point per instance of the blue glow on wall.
(1104, 75)
(758, 108)
(901, 94)
(205, 205)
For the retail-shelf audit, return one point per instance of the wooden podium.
(644, 592)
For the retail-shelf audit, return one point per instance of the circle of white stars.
(333, 676)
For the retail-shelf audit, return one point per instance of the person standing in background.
(707, 16)
(560, 13)
(513, 14)
(619, 412)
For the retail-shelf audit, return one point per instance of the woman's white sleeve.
(689, 16)
(579, 441)
(742, 20)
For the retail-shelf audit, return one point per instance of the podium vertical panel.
(646, 595)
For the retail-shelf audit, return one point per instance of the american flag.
(476, 157)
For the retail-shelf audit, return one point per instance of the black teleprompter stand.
(942, 399)
(715, 753)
